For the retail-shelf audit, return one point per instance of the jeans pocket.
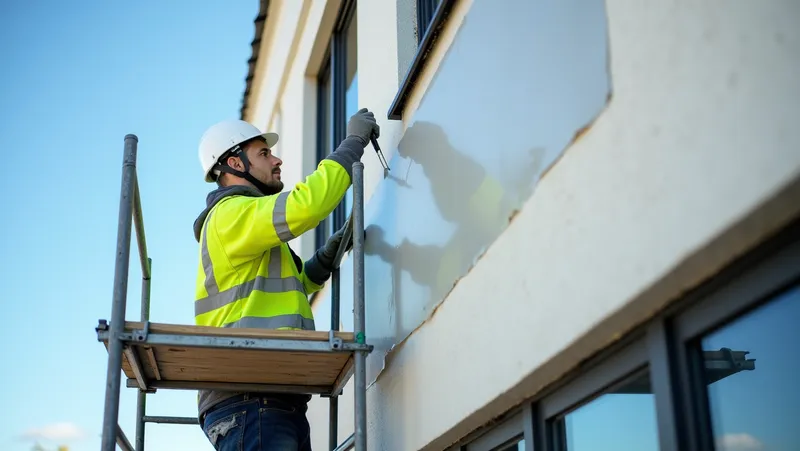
(270, 405)
(226, 433)
(278, 408)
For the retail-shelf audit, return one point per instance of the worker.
(247, 274)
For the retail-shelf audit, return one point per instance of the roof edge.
(255, 47)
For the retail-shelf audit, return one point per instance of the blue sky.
(78, 76)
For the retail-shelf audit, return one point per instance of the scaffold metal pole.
(114, 368)
(141, 405)
(359, 322)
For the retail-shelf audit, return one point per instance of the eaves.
(255, 46)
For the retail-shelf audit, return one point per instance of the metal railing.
(130, 212)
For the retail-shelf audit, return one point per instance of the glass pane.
(322, 232)
(325, 138)
(351, 87)
(752, 368)
(623, 419)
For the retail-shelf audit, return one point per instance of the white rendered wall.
(698, 135)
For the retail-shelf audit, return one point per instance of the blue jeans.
(251, 423)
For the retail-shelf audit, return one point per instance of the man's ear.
(235, 163)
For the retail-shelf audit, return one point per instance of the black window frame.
(323, 145)
(431, 17)
(668, 347)
(426, 10)
(334, 72)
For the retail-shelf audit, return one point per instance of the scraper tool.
(380, 154)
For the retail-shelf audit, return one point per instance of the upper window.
(425, 12)
(337, 100)
(431, 14)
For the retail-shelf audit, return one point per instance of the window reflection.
(621, 419)
(753, 395)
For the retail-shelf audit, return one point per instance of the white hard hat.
(224, 135)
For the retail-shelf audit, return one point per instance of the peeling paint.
(499, 112)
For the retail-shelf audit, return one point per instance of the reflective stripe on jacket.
(247, 275)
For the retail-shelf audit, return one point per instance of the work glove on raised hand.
(319, 267)
(363, 126)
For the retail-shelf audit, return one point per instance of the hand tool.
(378, 151)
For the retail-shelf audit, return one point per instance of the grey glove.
(327, 253)
(363, 126)
(319, 267)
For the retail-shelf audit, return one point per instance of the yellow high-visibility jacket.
(247, 275)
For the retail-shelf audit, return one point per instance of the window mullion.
(665, 388)
(677, 380)
(339, 88)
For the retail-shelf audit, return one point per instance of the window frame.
(426, 42)
(333, 109)
(324, 111)
(667, 346)
(426, 9)
(506, 433)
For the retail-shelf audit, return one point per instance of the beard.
(273, 187)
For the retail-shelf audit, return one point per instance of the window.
(623, 417)
(425, 12)
(324, 137)
(337, 100)
(714, 372)
(609, 406)
(277, 125)
(507, 436)
(431, 15)
(752, 389)
(517, 445)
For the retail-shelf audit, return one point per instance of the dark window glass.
(351, 88)
(517, 446)
(752, 371)
(621, 419)
(425, 11)
(325, 136)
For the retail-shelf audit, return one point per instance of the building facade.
(587, 237)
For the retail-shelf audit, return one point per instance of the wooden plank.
(247, 365)
(169, 363)
(126, 366)
(344, 375)
(151, 360)
(239, 332)
(241, 365)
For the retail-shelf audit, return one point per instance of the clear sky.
(76, 77)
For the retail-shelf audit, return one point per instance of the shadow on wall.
(465, 196)
(500, 110)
